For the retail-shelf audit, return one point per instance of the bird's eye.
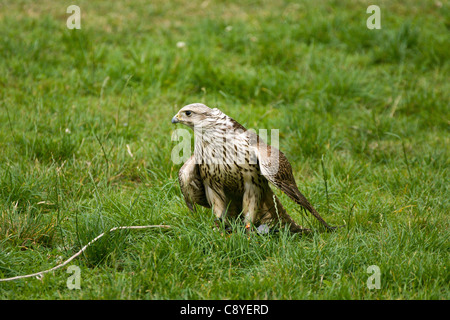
(188, 113)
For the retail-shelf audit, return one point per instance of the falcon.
(230, 171)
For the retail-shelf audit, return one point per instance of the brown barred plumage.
(230, 171)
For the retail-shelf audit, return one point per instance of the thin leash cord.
(41, 273)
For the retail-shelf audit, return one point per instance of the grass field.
(85, 145)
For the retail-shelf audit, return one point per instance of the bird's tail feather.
(302, 201)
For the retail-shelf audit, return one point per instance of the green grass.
(364, 113)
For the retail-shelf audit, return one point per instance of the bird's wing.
(191, 185)
(275, 167)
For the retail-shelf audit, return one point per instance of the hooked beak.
(175, 119)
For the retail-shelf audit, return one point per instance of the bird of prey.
(230, 171)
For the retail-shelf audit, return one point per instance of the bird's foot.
(248, 228)
(218, 223)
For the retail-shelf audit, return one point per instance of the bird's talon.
(248, 228)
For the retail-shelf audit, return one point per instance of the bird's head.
(196, 115)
